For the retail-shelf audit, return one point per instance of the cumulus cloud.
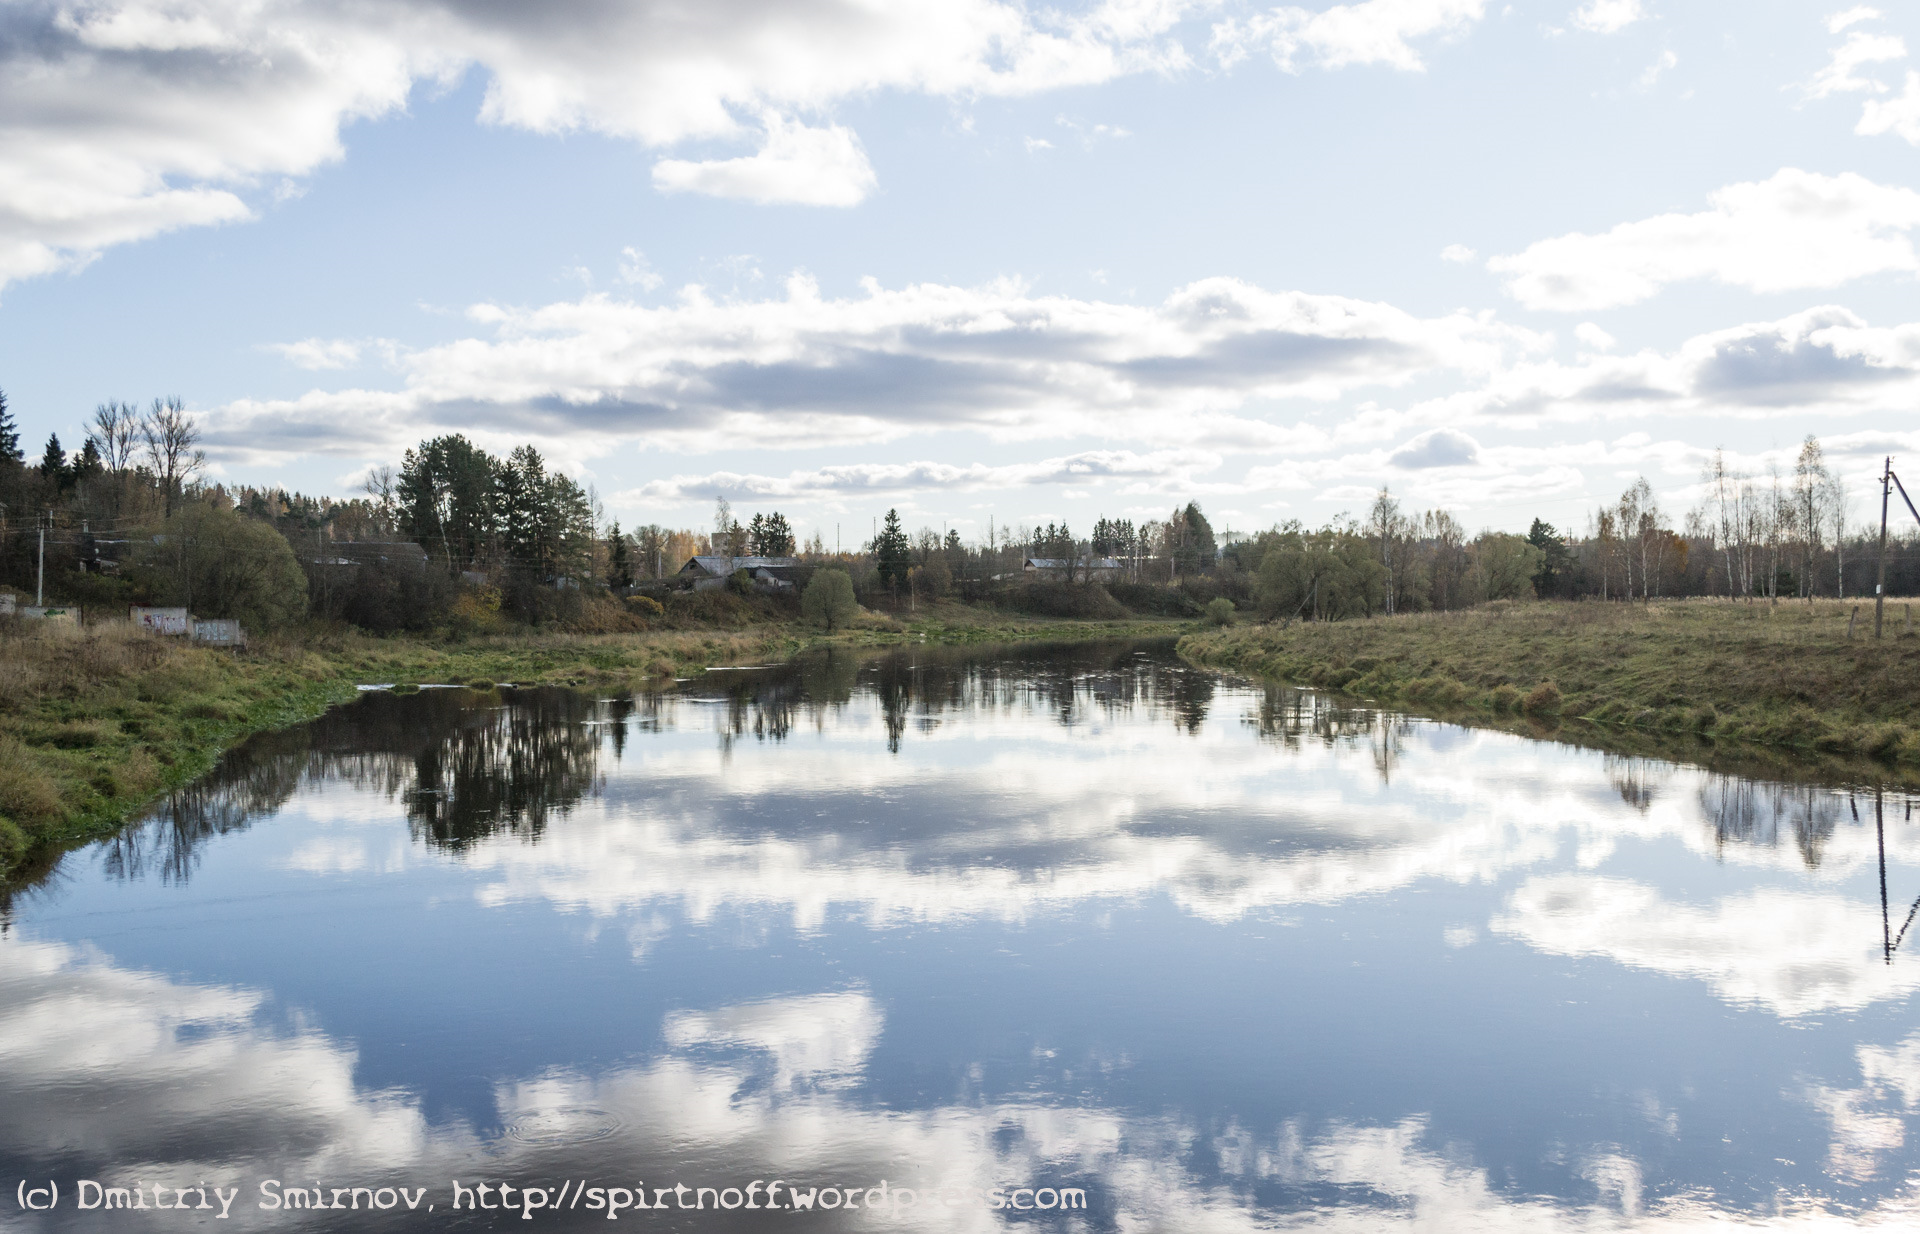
(1607, 16)
(805, 370)
(1165, 469)
(1825, 361)
(1593, 336)
(1372, 32)
(1841, 74)
(1459, 254)
(121, 119)
(1792, 231)
(805, 166)
(1899, 115)
(1442, 447)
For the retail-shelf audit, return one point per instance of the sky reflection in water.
(1226, 956)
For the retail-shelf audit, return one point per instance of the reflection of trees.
(916, 687)
(1288, 717)
(466, 763)
(1637, 780)
(1759, 813)
(169, 843)
(505, 771)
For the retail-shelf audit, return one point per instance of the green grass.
(96, 724)
(1785, 675)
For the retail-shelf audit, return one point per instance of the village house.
(704, 573)
(1062, 569)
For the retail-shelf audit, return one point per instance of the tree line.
(457, 536)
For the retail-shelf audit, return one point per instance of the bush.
(646, 606)
(1153, 599)
(222, 565)
(1084, 600)
(828, 600)
(1220, 612)
(1544, 700)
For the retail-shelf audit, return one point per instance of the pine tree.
(53, 465)
(10, 451)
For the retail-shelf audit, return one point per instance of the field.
(96, 723)
(1784, 675)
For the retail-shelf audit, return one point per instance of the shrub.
(1085, 600)
(1153, 599)
(828, 600)
(647, 606)
(1220, 611)
(224, 565)
(1544, 699)
(1506, 698)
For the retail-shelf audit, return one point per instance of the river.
(1074, 936)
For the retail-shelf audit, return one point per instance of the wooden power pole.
(1880, 583)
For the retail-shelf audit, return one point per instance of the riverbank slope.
(96, 723)
(1785, 674)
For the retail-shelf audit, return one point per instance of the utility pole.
(40, 583)
(1880, 584)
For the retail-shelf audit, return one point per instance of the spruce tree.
(10, 451)
(892, 554)
(53, 465)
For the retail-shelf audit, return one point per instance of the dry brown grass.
(1785, 673)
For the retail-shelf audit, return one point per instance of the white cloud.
(1459, 254)
(1840, 21)
(1651, 74)
(1166, 469)
(796, 164)
(1607, 16)
(316, 353)
(806, 370)
(1841, 74)
(636, 271)
(126, 118)
(1441, 447)
(1793, 231)
(1899, 115)
(1593, 336)
(1371, 32)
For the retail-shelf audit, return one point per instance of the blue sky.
(974, 259)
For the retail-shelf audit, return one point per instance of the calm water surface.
(1222, 956)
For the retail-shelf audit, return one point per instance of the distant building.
(371, 552)
(704, 573)
(1056, 569)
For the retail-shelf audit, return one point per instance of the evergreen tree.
(893, 555)
(1556, 561)
(778, 537)
(1194, 550)
(446, 499)
(619, 562)
(10, 451)
(53, 465)
(89, 464)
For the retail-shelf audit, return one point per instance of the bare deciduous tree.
(115, 431)
(171, 439)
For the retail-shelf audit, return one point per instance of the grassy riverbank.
(97, 723)
(1786, 675)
